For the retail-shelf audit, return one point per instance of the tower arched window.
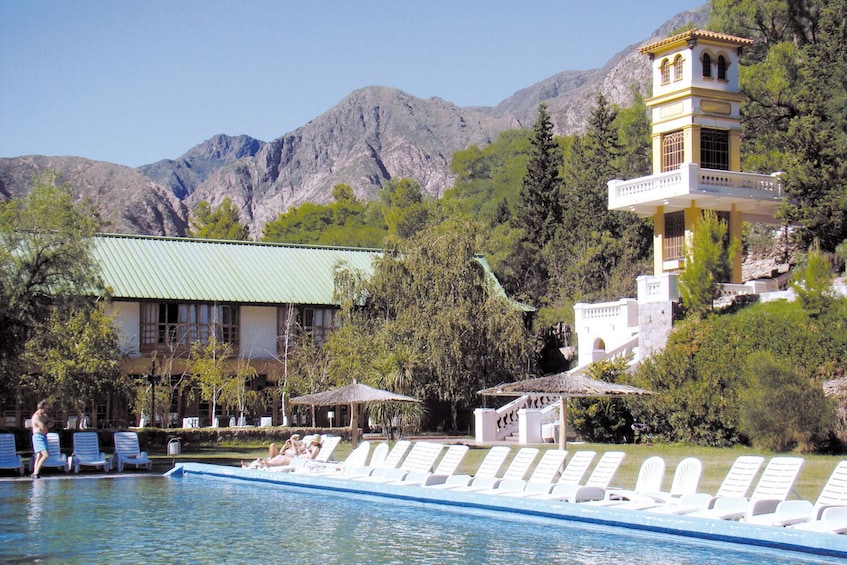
(677, 67)
(722, 67)
(665, 68)
(707, 65)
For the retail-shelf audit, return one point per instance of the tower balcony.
(755, 196)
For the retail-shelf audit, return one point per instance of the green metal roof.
(164, 268)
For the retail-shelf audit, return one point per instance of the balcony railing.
(690, 179)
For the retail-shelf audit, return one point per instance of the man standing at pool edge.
(40, 424)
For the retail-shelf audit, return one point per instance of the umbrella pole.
(354, 425)
(563, 422)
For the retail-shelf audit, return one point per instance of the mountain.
(374, 134)
(128, 200)
(183, 175)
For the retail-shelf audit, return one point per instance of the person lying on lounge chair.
(309, 452)
(290, 449)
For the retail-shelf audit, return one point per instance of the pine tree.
(539, 205)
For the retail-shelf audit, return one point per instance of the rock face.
(374, 134)
(183, 175)
(129, 201)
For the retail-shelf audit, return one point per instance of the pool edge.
(827, 545)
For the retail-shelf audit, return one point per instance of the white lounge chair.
(421, 459)
(774, 486)
(55, 457)
(596, 485)
(489, 467)
(391, 461)
(379, 455)
(686, 479)
(788, 512)
(544, 473)
(446, 467)
(516, 470)
(87, 452)
(650, 477)
(356, 460)
(9, 458)
(736, 484)
(572, 475)
(328, 445)
(833, 520)
(128, 452)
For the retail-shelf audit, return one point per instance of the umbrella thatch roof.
(565, 384)
(355, 393)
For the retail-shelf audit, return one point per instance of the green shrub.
(781, 409)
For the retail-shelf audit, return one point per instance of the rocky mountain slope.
(374, 134)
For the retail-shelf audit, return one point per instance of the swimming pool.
(203, 520)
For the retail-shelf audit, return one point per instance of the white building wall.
(615, 323)
(128, 323)
(258, 332)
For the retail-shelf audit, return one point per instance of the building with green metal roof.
(169, 293)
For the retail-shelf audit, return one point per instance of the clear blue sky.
(132, 82)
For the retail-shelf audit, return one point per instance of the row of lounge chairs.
(559, 477)
(86, 453)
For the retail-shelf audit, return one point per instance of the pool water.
(201, 520)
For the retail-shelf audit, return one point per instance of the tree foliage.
(222, 222)
(708, 262)
(813, 283)
(539, 203)
(77, 353)
(207, 363)
(795, 119)
(346, 221)
(595, 251)
(780, 408)
(606, 420)
(45, 265)
(699, 377)
(431, 316)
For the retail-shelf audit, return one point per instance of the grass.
(716, 461)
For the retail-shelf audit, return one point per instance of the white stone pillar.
(485, 424)
(529, 426)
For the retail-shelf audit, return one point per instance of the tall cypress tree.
(539, 204)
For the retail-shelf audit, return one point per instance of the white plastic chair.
(650, 477)
(489, 467)
(128, 452)
(544, 473)
(596, 485)
(736, 484)
(775, 485)
(572, 475)
(9, 458)
(788, 512)
(87, 452)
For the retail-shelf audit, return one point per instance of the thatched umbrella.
(565, 385)
(353, 394)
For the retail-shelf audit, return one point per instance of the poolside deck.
(829, 545)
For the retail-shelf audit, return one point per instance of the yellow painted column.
(735, 150)
(692, 144)
(657, 153)
(692, 216)
(659, 241)
(735, 235)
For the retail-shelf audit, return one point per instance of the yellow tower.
(696, 132)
